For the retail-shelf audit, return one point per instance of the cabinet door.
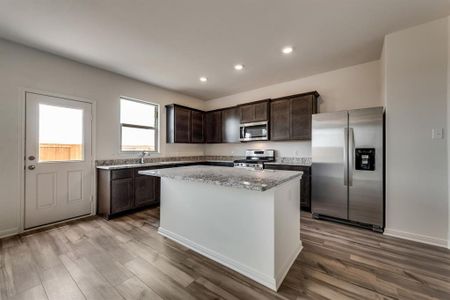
(230, 125)
(305, 193)
(121, 195)
(247, 113)
(158, 189)
(213, 123)
(197, 127)
(301, 115)
(182, 125)
(261, 111)
(144, 190)
(280, 120)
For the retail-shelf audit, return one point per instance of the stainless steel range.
(255, 159)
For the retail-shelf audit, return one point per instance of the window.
(60, 133)
(138, 125)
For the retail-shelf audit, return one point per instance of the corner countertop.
(261, 180)
(156, 164)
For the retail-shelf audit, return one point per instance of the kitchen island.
(246, 220)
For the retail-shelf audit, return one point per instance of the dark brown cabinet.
(305, 183)
(123, 190)
(184, 124)
(280, 120)
(302, 109)
(230, 125)
(291, 117)
(121, 195)
(144, 190)
(255, 112)
(197, 123)
(213, 126)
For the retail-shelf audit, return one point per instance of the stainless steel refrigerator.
(348, 167)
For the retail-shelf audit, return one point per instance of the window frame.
(156, 129)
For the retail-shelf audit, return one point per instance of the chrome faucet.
(143, 154)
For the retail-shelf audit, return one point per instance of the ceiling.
(171, 43)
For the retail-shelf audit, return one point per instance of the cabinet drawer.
(119, 174)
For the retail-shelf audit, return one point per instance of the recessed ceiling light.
(239, 67)
(287, 50)
(203, 79)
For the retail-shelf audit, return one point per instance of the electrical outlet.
(437, 133)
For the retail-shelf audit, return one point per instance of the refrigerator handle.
(351, 159)
(346, 156)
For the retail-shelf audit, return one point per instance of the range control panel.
(365, 159)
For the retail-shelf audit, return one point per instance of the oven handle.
(254, 124)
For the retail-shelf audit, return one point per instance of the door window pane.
(138, 139)
(60, 133)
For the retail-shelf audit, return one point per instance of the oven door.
(257, 131)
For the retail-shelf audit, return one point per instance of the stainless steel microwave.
(257, 131)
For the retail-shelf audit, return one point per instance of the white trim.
(56, 223)
(272, 283)
(21, 162)
(287, 265)
(157, 131)
(9, 232)
(416, 237)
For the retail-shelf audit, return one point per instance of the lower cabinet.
(121, 195)
(305, 183)
(120, 191)
(144, 190)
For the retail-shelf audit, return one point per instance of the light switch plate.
(437, 133)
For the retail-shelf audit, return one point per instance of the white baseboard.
(9, 232)
(270, 282)
(417, 237)
(287, 265)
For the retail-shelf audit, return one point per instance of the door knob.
(31, 167)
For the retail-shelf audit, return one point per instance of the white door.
(58, 159)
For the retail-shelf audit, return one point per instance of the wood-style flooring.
(126, 258)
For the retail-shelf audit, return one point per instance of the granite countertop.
(225, 176)
(153, 164)
(292, 161)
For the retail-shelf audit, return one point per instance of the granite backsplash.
(281, 160)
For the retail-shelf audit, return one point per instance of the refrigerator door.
(366, 201)
(329, 164)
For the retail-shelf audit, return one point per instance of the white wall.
(348, 88)
(22, 67)
(448, 128)
(416, 85)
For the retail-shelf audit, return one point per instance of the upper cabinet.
(255, 111)
(291, 116)
(184, 124)
(230, 125)
(289, 119)
(197, 126)
(280, 113)
(213, 126)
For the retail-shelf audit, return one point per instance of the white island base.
(256, 233)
